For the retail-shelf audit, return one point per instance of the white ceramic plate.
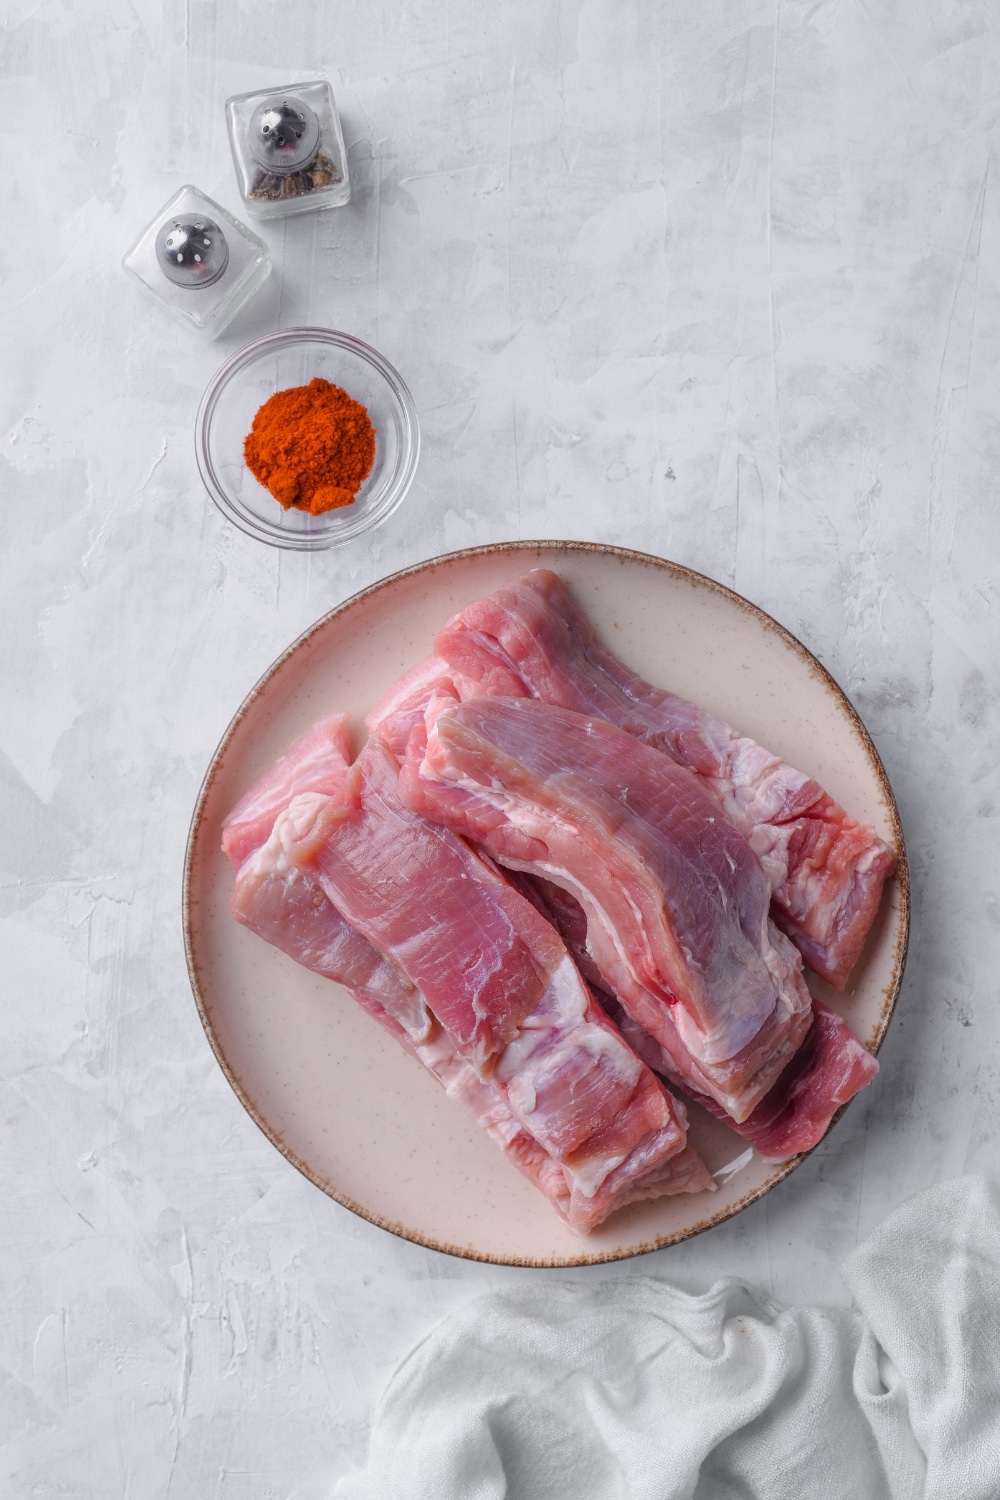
(325, 1083)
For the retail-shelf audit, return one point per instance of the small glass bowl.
(274, 363)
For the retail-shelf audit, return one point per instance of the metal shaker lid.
(283, 134)
(191, 252)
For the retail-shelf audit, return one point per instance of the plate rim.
(678, 571)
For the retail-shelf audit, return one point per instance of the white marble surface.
(714, 280)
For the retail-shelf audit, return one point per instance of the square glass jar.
(199, 263)
(288, 150)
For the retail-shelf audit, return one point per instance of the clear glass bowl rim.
(399, 479)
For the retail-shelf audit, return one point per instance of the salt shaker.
(198, 262)
(288, 149)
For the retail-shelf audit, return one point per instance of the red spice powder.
(313, 446)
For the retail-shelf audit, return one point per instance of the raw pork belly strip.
(315, 763)
(829, 1068)
(288, 908)
(500, 982)
(826, 869)
(676, 901)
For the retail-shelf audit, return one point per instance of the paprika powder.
(312, 445)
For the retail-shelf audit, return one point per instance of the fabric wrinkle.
(634, 1389)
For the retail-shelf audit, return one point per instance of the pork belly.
(499, 982)
(287, 907)
(826, 869)
(676, 902)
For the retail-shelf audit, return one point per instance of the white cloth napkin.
(632, 1390)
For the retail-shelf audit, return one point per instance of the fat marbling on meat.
(535, 1061)
(676, 901)
(289, 910)
(826, 869)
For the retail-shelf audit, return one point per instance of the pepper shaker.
(198, 262)
(288, 149)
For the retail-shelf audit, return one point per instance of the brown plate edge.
(696, 579)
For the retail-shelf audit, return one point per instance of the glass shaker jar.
(288, 150)
(199, 263)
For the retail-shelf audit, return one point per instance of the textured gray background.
(714, 280)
